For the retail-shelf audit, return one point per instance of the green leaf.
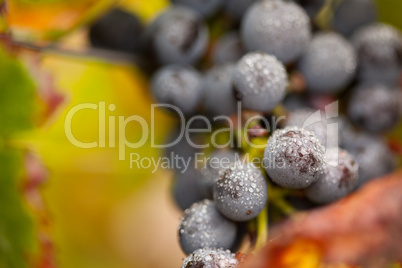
(17, 97)
(16, 228)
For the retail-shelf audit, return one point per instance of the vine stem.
(90, 52)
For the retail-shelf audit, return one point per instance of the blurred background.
(82, 207)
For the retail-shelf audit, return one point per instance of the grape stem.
(262, 220)
(262, 229)
(276, 196)
(283, 206)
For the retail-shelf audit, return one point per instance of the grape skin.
(379, 47)
(294, 158)
(350, 15)
(228, 49)
(210, 258)
(178, 36)
(180, 86)
(372, 155)
(186, 189)
(180, 148)
(298, 118)
(103, 32)
(346, 130)
(340, 178)
(206, 7)
(260, 81)
(279, 28)
(375, 107)
(329, 63)
(216, 164)
(203, 226)
(241, 192)
(219, 98)
(328, 136)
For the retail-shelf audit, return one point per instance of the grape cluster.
(268, 58)
(239, 194)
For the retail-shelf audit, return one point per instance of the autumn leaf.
(48, 20)
(16, 108)
(362, 230)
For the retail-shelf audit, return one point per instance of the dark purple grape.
(179, 147)
(210, 258)
(178, 36)
(219, 98)
(280, 28)
(379, 47)
(347, 132)
(326, 130)
(241, 192)
(350, 15)
(127, 38)
(372, 155)
(294, 158)
(237, 8)
(186, 189)
(329, 63)
(228, 49)
(205, 7)
(214, 166)
(260, 81)
(375, 107)
(180, 86)
(340, 178)
(203, 226)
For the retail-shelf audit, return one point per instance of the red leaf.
(363, 229)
